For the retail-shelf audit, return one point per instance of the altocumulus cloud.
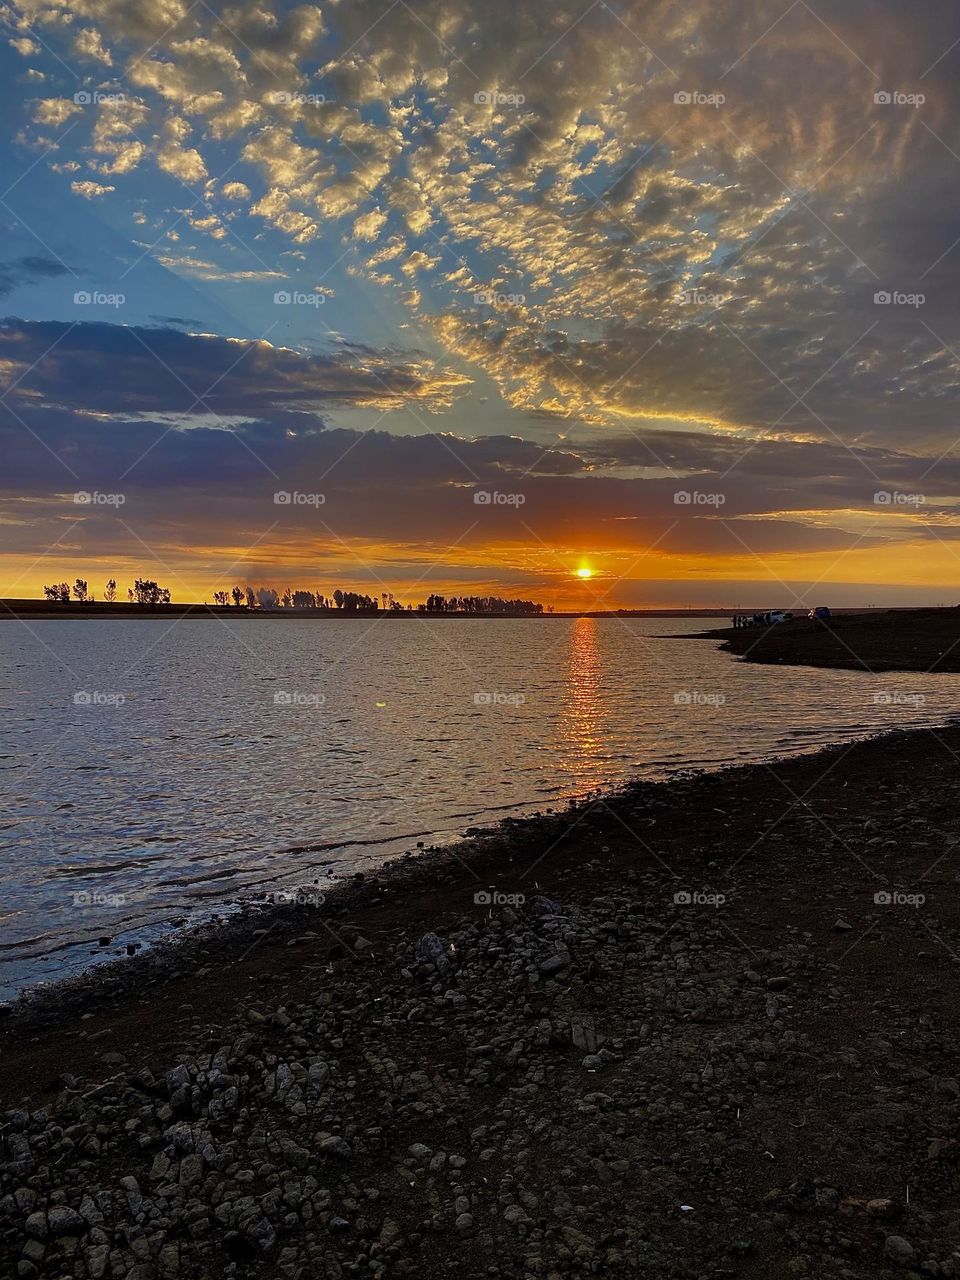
(613, 165)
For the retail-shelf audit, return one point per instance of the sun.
(585, 572)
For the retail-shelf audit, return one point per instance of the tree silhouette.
(237, 594)
(220, 597)
(148, 592)
(110, 591)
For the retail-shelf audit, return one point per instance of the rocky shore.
(891, 640)
(706, 1028)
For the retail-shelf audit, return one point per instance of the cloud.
(201, 269)
(113, 369)
(55, 111)
(90, 190)
(683, 213)
(88, 44)
(28, 270)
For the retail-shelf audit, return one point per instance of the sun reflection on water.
(583, 717)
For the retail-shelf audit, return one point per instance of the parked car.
(820, 612)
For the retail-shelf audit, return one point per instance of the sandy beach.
(698, 1028)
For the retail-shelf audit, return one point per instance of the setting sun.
(585, 573)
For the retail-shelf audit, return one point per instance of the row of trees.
(355, 602)
(290, 598)
(478, 604)
(147, 592)
(143, 591)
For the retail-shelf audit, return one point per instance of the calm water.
(153, 772)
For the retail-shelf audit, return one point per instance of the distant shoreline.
(32, 610)
(42, 609)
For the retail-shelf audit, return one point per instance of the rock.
(592, 1062)
(97, 1258)
(884, 1209)
(553, 963)
(177, 1078)
(778, 984)
(436, 952)
(515, 1215)
(261, 1233)
(337, 1147)
(318, 1075)
(191, 1169)
(65, 1222)
(36, 1225)
(131, 1189)
(899, 1251)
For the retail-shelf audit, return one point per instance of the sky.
(429, 296)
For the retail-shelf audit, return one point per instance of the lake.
(154, 772)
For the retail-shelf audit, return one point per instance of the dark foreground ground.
(719, 1038)
(898, 640)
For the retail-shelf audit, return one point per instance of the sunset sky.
(675, 284)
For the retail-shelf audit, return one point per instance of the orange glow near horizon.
(558, 575)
